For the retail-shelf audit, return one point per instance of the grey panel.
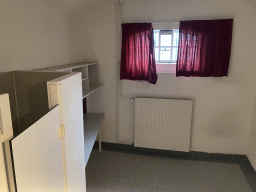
(7, 86)
(32, 98)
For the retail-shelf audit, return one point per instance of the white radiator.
(163, 123)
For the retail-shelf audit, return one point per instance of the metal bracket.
(61, 132)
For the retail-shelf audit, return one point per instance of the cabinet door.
(6, 134)
(37, 156)
(67, 92)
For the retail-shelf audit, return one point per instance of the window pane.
(166, 40)
(156, 38)
(175, 37)
(174, 53)
(156, 54)
(165, 54)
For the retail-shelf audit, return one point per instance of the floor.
(118, 172)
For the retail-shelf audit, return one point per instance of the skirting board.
(242, 160)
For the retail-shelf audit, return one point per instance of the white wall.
(222, 106)
(94, 34)
(35, 35)
(32, 35)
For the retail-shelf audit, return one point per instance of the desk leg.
(100, 137)
(100, 141)
(85, 182)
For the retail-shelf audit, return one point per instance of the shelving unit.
(93, 123)
(89, 75)
(90, 84)
(92, 88)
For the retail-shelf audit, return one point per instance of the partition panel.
(32, 97)
(5, 135)
(67, 92)
(7, 85)
(37, 156)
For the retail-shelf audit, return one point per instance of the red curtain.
(204, 48)
(137, 56)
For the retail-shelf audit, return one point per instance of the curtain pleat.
(137, 55)
(204, 48)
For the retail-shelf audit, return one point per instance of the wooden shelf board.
(92, 88)
(66, 67)
(92, 125)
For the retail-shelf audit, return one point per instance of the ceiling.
(66, 4)
(70, 4)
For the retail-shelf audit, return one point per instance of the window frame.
(168, 66)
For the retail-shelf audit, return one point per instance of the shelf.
(92, 88)
(83, 70)
(66, 67)
(92, 125)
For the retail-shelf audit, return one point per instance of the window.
(166, 46)
(166, 39)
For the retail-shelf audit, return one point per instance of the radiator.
(163, 123)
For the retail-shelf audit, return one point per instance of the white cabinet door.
(6, 134)
(67, 92)
(37, 156)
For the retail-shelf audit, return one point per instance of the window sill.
(166, 68)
